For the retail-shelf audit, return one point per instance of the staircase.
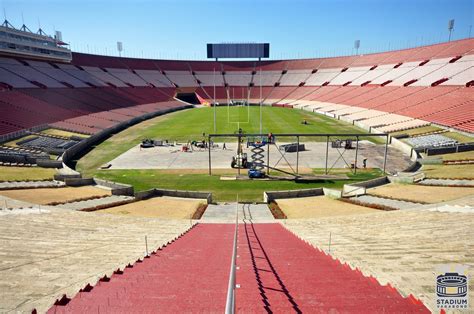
(190, 274)
(277, 273)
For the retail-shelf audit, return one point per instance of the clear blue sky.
(294, 28)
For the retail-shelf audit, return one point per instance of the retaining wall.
(173, 193)
(269, 196)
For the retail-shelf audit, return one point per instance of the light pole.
(214, 102)
(260, 100)
(450, 28)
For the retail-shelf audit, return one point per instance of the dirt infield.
(319, 206)
(158, 207)
(51, 195)
(420, 193)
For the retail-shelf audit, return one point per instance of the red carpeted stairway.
(280, 273)
(189, 275)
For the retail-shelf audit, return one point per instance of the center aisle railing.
(230, 302)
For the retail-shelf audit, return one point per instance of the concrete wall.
(117, 188)
(78, 181)
(48, 163)
(372, 183)
(405, 148)
(332, 193)
(352, 190)
(407, 178)
(173, 193)
(269, 196)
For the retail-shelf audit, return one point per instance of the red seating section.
(190, 275)
(277, 273)
(62, 93)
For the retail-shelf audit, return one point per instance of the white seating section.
(182, 78)
(57, 74)
(154, 77)
(210, 78)
(322, 76)
(427, 141)
(350, 75)
(127, 76)
(81, 75)
(239, 78)
(104, 76)
(294, 77)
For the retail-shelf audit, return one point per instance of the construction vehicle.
(257, 166)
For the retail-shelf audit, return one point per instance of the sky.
(180, 29)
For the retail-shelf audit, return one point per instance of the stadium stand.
(393, 90)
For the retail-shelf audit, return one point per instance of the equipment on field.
(239, 161)
(257, 166)
(147, 143)
(292, 148)
(347, 144)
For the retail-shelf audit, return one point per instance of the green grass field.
(247, 190)
(190, 124)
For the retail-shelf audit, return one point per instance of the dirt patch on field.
(420, 193)
(319, 206)
(160, 207)
(55, 195)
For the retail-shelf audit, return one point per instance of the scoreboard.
(238, 50)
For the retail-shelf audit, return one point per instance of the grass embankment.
(25, 173)
(248, 190)
(449, 171)
(63, 133)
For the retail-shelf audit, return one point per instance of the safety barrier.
(230, 301)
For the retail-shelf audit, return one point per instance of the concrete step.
(103, 202)
(447, 182)
(370, 199)
(11, 185)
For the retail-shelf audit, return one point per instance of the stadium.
(238, 182)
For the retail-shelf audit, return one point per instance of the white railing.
(230, 302)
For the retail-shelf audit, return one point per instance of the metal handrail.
(230, 302)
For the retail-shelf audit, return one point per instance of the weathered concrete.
(102, 202)
(447, 182)
(12, 185)
(369, 199)
(44, 256)
(401, 247)
(226, 213)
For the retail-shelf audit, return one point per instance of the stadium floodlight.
(357, 46)
(119, 48)
(450, 28)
